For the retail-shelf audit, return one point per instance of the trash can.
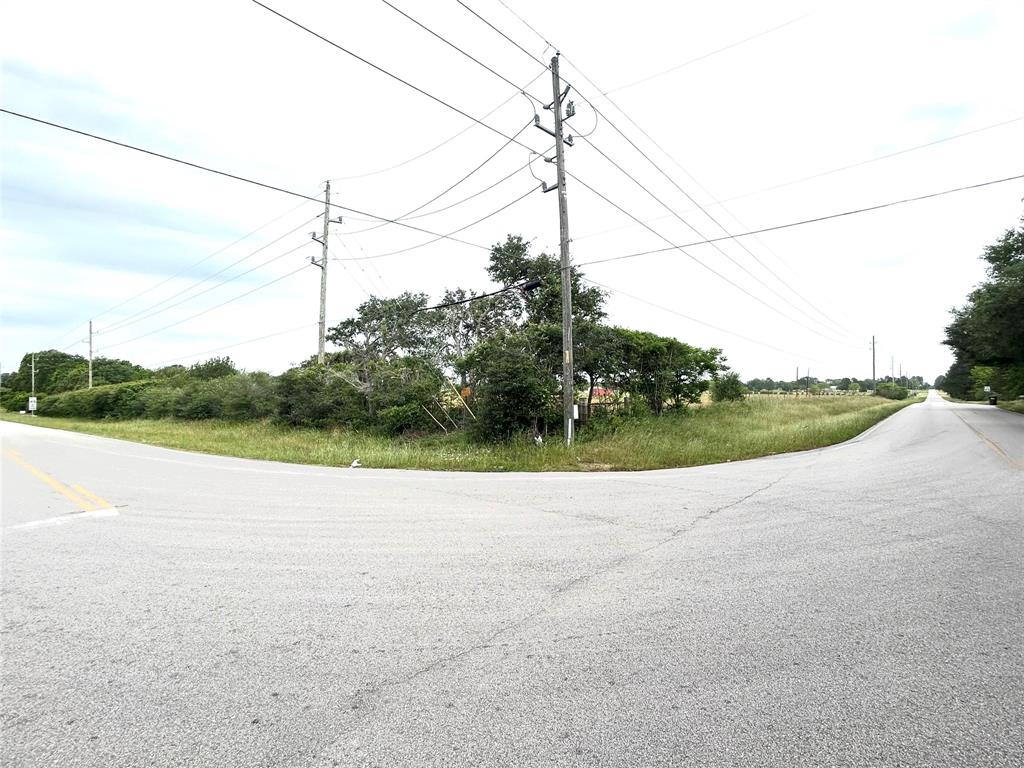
(992, 399)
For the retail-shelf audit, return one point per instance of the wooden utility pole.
(323, 277)
(568, 380)
(874, 383)
(323, 271)
(90, 354)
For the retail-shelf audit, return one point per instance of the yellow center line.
(86, 493)
(59, 487)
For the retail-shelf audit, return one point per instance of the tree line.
(489, 364)
(987, 333)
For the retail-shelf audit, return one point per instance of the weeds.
(727, 431)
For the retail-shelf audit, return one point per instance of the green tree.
(727, 387)
(384, 329)
(321, 396)
(987, 330)
(665, 371)
(511, 264)
(469, 320)
(214, 368)
(512, 393)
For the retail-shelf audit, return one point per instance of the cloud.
(973, 26)
(947, 113)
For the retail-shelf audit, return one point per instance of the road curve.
(859, 605)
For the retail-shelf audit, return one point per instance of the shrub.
(14, 400)
(397, 419)
(400, 390)
(512, 392)
(318, 396)
(109, 401)
(891, 391)
(727, 387)
(214, 368)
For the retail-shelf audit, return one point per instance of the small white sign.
(32, 403)
(575, 411)
(988, 389)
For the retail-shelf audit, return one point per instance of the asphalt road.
(860, 605)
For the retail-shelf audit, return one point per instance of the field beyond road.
(757, 426)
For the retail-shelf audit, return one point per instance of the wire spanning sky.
(783, 111)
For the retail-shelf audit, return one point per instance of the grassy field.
(1017, 406)
(717, 433)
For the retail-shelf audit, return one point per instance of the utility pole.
(874, 382)
(323, 272)
(796, 381)
(90, 354)
(568, 386)
(33, 374)
(892, 367)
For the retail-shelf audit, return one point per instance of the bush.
(214, 368)
(512, 392)
(14, 400)
(399, 392)
(727, 387)
(239, 397)
(236, 397)
(109, 401)
(891, 391)
(248, 396)
(318, 396)
(397, 419)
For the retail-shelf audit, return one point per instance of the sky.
(729, 117)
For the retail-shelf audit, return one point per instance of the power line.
(449, 43)
(393, 76)
(525, 284)
(712, 218)
(716, 246)
(210, 309)
(873, 160)
(777, 227)
(712, 270)
(659, 169)
(349, 272)
(239, 344)
(526, 194)
(472, 196)
(146, 311)
(689, 197)
(420, 207)
(517, 45)
(437, 146)
(820, 174)
(211, 288)
(236, 177)
(547, 42)
(632, 178)
(690, 318)
(182, 271)
(717, 223)
(706, 55)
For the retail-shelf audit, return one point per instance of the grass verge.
(713, 434)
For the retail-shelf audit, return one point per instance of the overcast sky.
(747, 99)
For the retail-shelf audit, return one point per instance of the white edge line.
(52, 521)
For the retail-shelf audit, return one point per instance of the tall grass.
(716, 433)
